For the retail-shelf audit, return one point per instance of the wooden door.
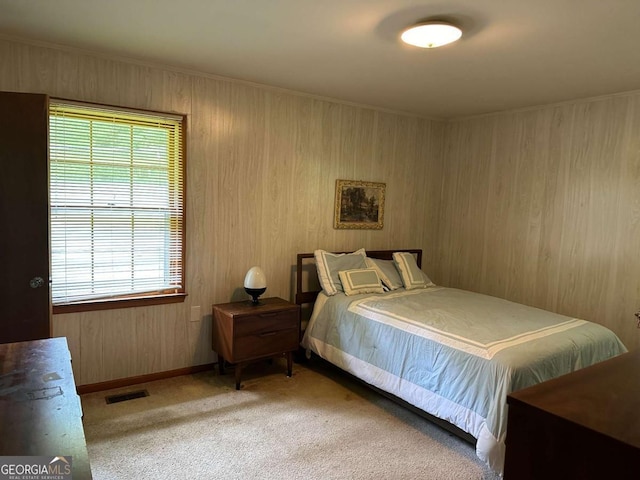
(24, 217)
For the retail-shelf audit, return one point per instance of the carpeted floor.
(318, 424)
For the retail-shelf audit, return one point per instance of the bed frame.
(305, 266)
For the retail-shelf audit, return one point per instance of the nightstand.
(243, 333)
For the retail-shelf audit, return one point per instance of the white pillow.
(387, 271)
(330, 264)
(412, 276)
(363, 280)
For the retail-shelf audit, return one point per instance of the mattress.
(452, 353)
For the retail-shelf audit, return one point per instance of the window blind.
(117, 203)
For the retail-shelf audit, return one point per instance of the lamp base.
(255, 293)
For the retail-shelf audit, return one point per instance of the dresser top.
(40, 412)
(604, 397)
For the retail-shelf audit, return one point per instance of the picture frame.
(359, 205)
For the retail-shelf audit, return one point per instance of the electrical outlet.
(195, 314)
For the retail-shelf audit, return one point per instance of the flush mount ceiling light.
(431, 34)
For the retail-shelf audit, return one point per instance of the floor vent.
(123, 397)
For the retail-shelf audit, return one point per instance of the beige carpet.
(318, 424)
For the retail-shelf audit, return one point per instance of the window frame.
(160, 297)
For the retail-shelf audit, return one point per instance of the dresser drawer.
(249, 325)
(268, 342)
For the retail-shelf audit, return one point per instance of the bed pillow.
(387, 271)
(412, 276)
(330, 264)
(362, 280)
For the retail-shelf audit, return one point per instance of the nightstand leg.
(238, 370)
(289, 363)
(220, 364)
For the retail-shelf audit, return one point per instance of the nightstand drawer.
(266, 343)
(265, 323)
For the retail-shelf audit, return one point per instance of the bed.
(451, 353)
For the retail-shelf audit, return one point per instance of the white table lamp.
(255, 284)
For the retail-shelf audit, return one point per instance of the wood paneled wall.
(261, 171)
(543, 207)
(539, 206)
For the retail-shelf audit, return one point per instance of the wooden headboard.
(306, 263)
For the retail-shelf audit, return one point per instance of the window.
(117, 206)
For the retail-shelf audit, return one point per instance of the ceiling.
(513, 53)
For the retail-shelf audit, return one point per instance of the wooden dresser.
(40, 411)
(584, 425)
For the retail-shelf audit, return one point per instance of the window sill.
(119, 303)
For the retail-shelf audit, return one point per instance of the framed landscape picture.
(359, 204)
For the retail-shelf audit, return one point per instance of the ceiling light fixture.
(431, 34)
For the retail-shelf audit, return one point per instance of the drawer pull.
(268, 334)
(267, 315)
